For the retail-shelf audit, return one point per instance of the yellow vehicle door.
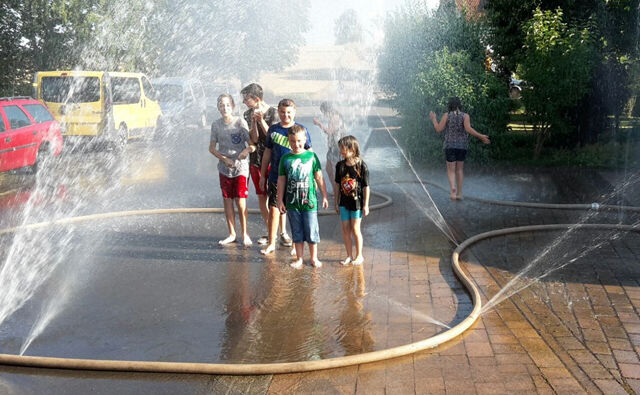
(74, 100)
(127, 103)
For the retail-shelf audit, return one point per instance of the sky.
(371, 13)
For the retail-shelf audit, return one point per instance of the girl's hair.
(228, 96)
(351, 143)
(454, 104)
(326, 108)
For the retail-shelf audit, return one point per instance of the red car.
(28, 133)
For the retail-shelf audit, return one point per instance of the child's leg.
(451, 175)
(295, 218)
(263, 203)
(331, 169)
(242, 215)
(459, 178)
(299, 250)
(231, 222)
(346, 238)
(274, 214)
(357, 235)
(313, 251)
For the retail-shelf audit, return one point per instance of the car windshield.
(168, 93)
(70, 89)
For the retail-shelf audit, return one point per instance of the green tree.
(558, 64)
(37, 35)
(613, 25)
(428, 57)
(347, 28)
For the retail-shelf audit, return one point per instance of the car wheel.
(160, 129)
(43, 154)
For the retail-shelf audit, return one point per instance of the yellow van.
(102, 107)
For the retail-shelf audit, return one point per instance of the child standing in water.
(351, 184)
(334, 129)
(456, 141)
(231, 135)
(299, 175)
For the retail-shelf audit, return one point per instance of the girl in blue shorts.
(351, 186)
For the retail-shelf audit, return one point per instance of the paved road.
(147, 296)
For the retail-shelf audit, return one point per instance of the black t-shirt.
(270, 117)
(351, 182)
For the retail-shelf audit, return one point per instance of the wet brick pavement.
(573, 330)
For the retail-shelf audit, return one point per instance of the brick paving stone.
(626, 357)
(631, 371)
(611, 387)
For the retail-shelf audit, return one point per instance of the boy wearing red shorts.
(231, 136)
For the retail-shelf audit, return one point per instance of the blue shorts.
(347, 215)
(304, 226)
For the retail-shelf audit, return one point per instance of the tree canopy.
(159, 37)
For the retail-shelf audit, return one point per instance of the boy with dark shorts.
(276, 146)
(260, 116)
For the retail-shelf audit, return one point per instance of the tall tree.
(347, 28)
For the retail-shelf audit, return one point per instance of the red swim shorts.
(233, 188)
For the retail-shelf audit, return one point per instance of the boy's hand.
(485, 139)
(228, 162)
(325, 203)
(282, 207)
(243, 155)
(317, 122)
(263, 182)
(432, 116)
(257, 116)
(365, 211)
(337, 209)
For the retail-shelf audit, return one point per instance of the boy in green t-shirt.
(299, 175)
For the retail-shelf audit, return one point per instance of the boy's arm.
(264, 166)
(218, 154)
(253, 131)
(320, 181)
(282, 181)
(365, 201)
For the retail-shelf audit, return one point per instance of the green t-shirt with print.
(300, 189)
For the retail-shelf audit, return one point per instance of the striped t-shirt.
(278, 143)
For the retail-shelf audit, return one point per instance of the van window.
(38, 112)
(17, 118)
(169, 93)
(125, 90)
(148, 89)
(70, 89)
(2, 128)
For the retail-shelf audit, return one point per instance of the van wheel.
(122, 137)
(203, 120)
(43, 154)
(160, 130)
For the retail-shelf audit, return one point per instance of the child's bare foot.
(246, 241)
(268, 250)
(346, 261)
(297, 264)
(459, 197)
(316, 263)
(229, 239)
(358, 261)
(453, 194)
